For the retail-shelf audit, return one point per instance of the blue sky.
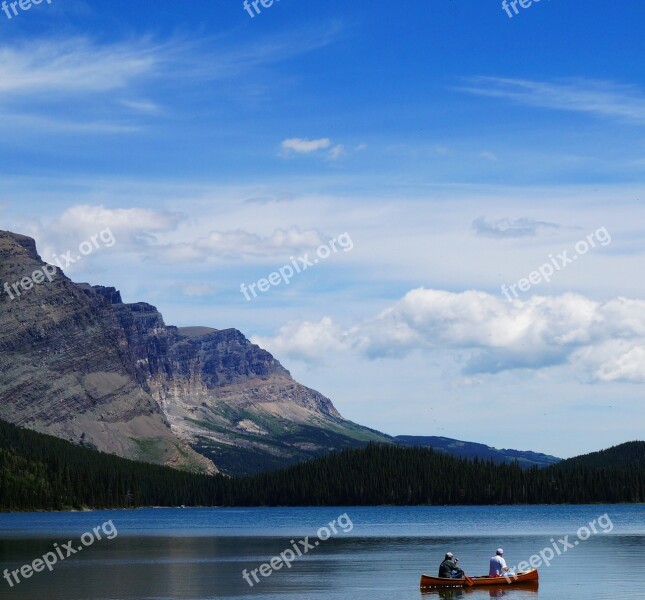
(458, 148)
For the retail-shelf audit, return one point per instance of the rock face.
(78, 363)
(66, 368)
(230, 399)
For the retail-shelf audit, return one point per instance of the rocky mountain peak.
(14, 244)
(79, 363)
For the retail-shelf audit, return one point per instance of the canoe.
(444, 582)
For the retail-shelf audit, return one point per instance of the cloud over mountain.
(601, 341)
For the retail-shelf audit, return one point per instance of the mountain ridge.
(66, 368)
(525, 458)
(79, 363)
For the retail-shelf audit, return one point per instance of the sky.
(450, 199)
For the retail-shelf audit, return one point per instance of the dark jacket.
(447, 567)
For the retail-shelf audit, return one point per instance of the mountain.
(79, 363)
(230, 399)
(462, 449)
(66, 367)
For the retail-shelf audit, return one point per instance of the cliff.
(78, 363)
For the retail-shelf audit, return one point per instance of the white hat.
(449, 554)
(500, 551)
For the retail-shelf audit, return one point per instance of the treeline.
(384, 474)
(43, 472)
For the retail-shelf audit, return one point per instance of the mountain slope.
(230, 399)
(627, 456)
(78, 363)
(525, 459)
(65, 367)
(42, 472)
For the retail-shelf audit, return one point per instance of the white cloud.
(304, 146)
(603, 341)
(197, 290)
(146, 232)
(133, 229)
(305, 340)
(337, 151)
(40, 76)
(628, 366)
(132, 225)
(507, 228)
(599, 98)
(239, 243)
(143, 106)
(72, 66)
(333, 151)
(261, 200)
(176, 253)
(39, 124)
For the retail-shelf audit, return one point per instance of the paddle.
(469, 581)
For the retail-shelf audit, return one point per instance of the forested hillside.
(630, 455)
(39, 472)
(43, 472)
(385, 474)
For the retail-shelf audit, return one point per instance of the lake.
(374, 553)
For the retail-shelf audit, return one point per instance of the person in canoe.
(498, 564)
(449, 568)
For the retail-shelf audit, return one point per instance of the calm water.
(376, 554)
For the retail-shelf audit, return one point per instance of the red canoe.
(443, 582)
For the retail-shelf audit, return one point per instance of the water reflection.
(517, 591)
